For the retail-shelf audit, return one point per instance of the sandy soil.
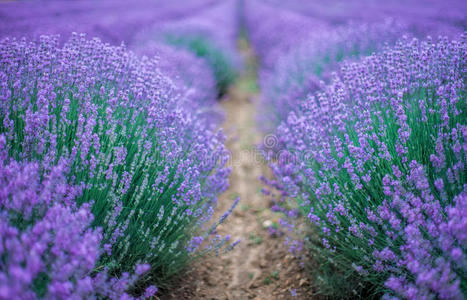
(260, 267)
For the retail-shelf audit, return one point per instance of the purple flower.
(150, 291)
(142, 268)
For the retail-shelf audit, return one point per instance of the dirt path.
(260, 267)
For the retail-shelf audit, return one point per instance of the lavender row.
(309, 65)
(431, 17)
(133, 24)
(311, 39)
(104, 139)
(112, 21)
(375, 163)
(272, 31)
(371, 154)
(210, 35)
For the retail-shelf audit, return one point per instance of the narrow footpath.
(260, 267)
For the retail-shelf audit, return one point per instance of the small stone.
(267, 223)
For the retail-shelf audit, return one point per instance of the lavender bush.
(147, 169)
(377, 165)
(306, 67)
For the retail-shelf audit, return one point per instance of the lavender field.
(233, 149)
